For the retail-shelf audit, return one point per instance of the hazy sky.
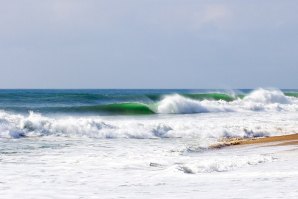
(148, 43)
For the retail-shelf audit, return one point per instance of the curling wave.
(132, 108)
(260, 99)
(146, 104)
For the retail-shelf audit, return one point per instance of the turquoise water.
(144, 143)
(105, 102)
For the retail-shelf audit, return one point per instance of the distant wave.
(257, 100)
(92, 97)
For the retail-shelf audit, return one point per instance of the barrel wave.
(117, 108)
(147, 102)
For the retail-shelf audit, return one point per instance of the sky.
(148, 44)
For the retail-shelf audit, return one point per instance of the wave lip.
(267, 96)
(177, 104)
(258, 100)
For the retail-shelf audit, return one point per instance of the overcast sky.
(148, 43)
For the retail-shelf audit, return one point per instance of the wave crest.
(267, 96)
(177, 104)
(260, 99)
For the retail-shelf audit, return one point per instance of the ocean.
(146, 143)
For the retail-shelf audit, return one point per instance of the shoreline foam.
(291, 139)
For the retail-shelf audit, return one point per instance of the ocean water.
(146, 143)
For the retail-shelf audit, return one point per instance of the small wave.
(222, 165)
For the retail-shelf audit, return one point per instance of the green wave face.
(292, 94)
(121, 108)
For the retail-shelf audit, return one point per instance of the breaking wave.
(257, 100)
(263, 112)
(260, 99)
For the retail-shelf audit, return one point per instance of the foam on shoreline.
(281, 140)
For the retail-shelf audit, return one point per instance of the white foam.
(258, 100)
(267, 96)
(204, 127)
(223, 164)
(177, 104)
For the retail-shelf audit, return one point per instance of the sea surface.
(146, 143)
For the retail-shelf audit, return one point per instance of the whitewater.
(146, 143)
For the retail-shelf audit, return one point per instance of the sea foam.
(223, 164)
(202, 127)
(260, 99)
